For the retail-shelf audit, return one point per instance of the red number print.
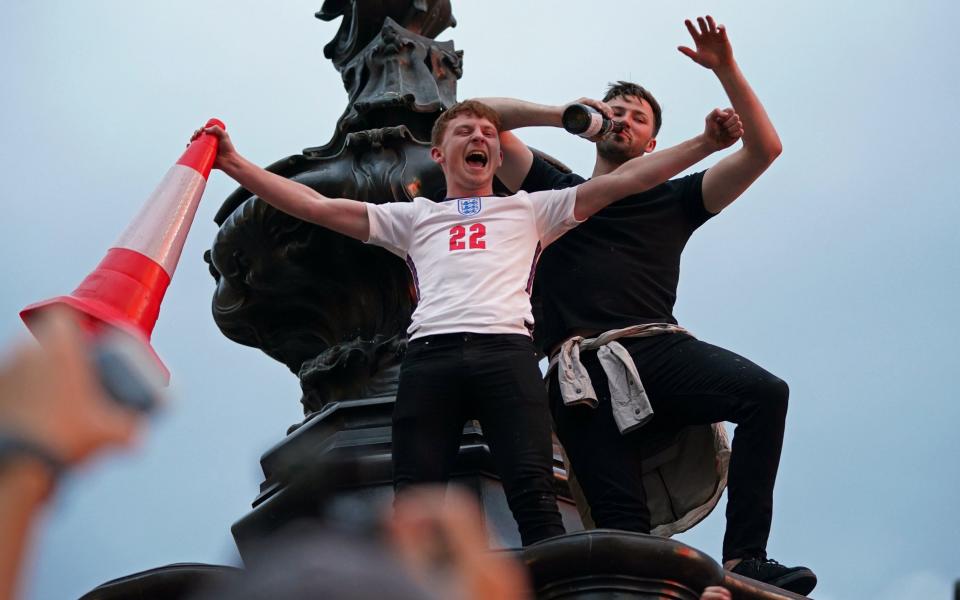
(476, 241)
(477, 231)
(456, 237)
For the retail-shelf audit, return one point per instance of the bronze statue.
(334, 310)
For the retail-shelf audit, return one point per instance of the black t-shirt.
(621, 266)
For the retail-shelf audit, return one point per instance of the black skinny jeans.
(689, 382)
(448, 379)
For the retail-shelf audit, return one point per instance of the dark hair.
(625, 88)
(467, 107)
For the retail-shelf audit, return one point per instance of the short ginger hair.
(467, 107)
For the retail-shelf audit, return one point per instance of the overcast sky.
(838, 270)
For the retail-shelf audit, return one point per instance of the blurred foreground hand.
(716, 592)
(53, 414)
(438, 533)
(50, 395)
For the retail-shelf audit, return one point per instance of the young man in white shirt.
(472, 258)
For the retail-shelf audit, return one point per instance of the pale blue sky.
(838, 270)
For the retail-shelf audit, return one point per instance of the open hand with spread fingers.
(713, 48)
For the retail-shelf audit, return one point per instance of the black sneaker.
(799, 580)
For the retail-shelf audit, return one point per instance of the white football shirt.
(473, 259)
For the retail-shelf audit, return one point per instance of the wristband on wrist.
(13, 447)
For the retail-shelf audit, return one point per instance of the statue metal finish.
(331, 309)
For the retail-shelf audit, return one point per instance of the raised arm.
(729, 178)
(53, 414)
(639, 174)
(514, 114)
(348, 217)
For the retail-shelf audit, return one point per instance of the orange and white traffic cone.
(127, 287)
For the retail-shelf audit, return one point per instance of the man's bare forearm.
(520, 113)
(515, 114)
(23, 489)
(644, 172)
(759, 135)
(289, 196)
(640, 174)
(348, 217)
(730, 177)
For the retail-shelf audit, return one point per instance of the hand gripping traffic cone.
(126, 288)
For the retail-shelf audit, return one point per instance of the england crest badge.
(468, 206)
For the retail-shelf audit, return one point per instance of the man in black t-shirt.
(620, 270)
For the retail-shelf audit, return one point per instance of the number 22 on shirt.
(474, 242)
